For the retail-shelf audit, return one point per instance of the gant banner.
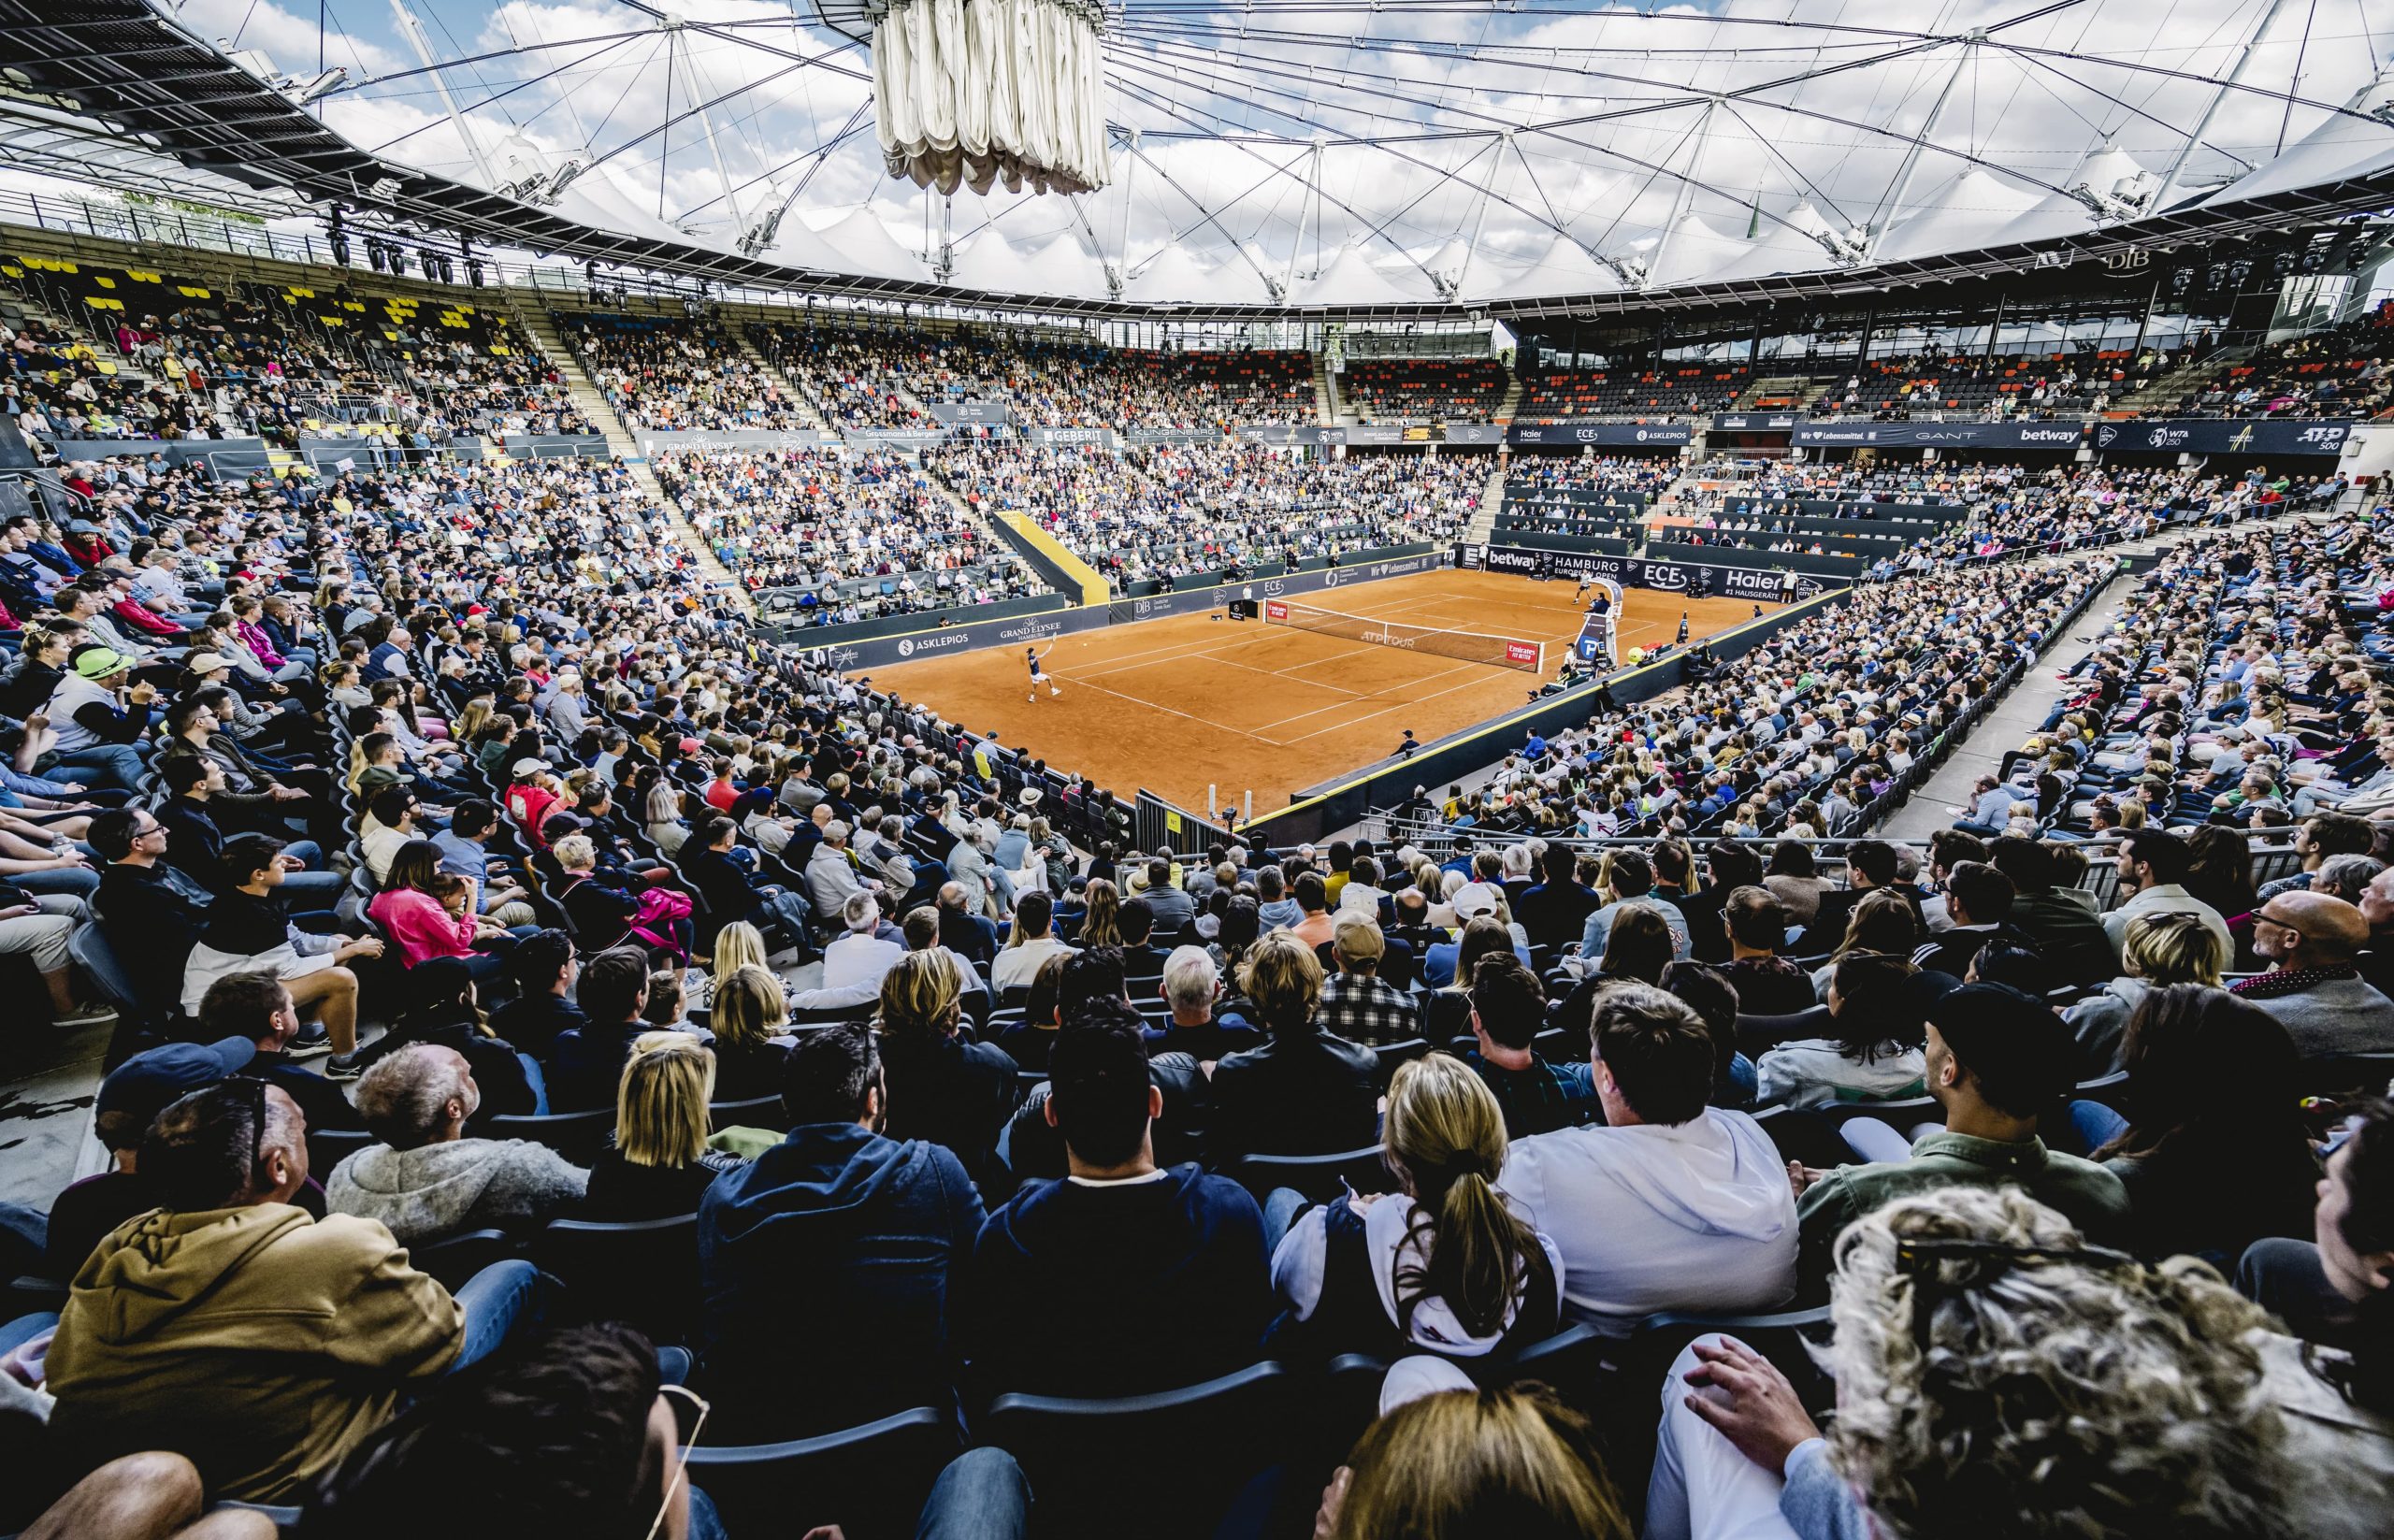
(1860, 434)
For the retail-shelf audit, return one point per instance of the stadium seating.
(1676, 391)
(1425, 390)
(858, 528)
(529, 633)
(675, 376)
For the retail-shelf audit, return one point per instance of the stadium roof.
(1363, 157)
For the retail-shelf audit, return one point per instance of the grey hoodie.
(438, 1190)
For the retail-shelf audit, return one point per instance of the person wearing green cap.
(99, 713)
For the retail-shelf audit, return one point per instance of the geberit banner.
(1859, 434)
(1658, 435)
(2223, 436)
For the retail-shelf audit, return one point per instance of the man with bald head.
(2377, 908)
(2311, 941)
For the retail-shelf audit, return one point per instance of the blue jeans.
(2096, 1123)
(113, 764)
(1281, 1207)
(538, 1082)
(25, 1329)
(75, 882)
(982, 1495)
(496, 1301)
(25, 1238)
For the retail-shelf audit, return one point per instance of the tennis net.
(1470, 646)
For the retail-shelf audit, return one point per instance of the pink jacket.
(421, 925)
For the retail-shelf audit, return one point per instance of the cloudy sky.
(1693, 140)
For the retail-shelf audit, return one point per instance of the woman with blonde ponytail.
(1443, 1266)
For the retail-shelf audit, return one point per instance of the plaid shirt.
(1363, 1009)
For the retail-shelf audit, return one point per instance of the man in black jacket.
(1306, 1092)
(1978, 899)
(2066, 933)
(588, 1062)
(546, 971)
(146, 908)
(1557, 910)
(1071, 1277)
(1731, 867)
(730, 891)
(1868, 863)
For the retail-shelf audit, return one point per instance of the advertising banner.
(1696, 580)
(755, 440)
(1609, 435)
(1389, 433)
(1156, 435)
(1066, 438)
(990, 414)
(239, 456)
(2062, 435)
(895, 437)
(2223, 436)
(1302, 433)
(1757, 421)
(555, 446)
(1475, 434)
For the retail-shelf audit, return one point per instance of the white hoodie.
(1696, 1216)
(422, 1195)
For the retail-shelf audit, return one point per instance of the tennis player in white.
(1038, 675)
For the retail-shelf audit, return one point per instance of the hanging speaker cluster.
(974, 93)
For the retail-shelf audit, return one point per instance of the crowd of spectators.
(1170, 511)
(2039, 387)
(871, 377)
(423, 805)
(259, 362)
(1425, 390)
(2342, 372)
(828, 519)
(677, 376)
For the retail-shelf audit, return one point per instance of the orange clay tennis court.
(1175, 705)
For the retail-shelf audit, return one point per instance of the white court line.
(1400, 706)
(1174, 711)
(1356, 698)
(1207, 647)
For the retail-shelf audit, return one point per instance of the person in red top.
(532, 796)
(86, 543)
(720, 792)
(430, 914)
